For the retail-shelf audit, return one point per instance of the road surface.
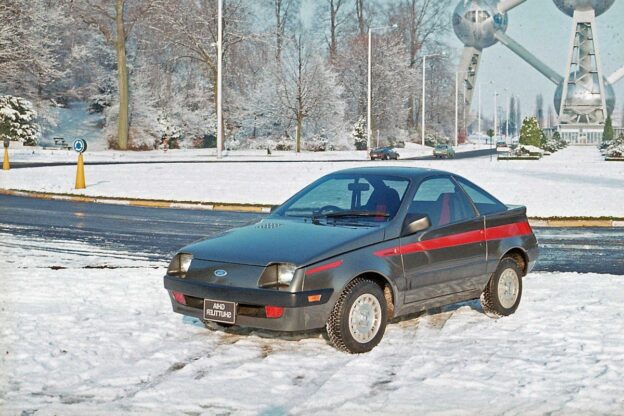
(160, 232)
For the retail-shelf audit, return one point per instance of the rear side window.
(485, 203)
(442, 201)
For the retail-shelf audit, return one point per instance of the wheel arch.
(519, 256)
(390, 290)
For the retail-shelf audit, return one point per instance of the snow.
(79, 340)
(575, 181)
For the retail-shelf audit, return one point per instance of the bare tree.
(115, 22)
(419, 21)
(284, 11)
(360, 14)
(30, 53)
(335, 21)
(306, 88)
(190, 29)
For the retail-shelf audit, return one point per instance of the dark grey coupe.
(356, 249)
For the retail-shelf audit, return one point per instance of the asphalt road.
(18, 165)
(158, 232)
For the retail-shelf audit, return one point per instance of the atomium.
(584, 96)
(476, 22)
(569, 6)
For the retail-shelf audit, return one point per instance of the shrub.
(530, 133)
(18, 120)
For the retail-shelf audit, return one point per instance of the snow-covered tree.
(358, 135)
(115, 21)
(530, 133)
(18, 120)
(308, 93)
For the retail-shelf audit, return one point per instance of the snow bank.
(81, 341)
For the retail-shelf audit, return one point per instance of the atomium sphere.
(584, 98)
(568, 6)
(476, 21)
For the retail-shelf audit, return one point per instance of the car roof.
(399, 171)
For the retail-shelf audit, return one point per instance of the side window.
(485, 203)
(442, 201)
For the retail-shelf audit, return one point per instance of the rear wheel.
(503, 292)
(358, 320)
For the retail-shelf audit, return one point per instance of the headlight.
(180, 264)
(285, 273)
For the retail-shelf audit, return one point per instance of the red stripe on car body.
(324, 267)
(477, 236)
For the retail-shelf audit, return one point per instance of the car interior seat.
(384, 199)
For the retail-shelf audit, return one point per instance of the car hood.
(283, 241)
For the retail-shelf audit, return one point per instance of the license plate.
(220, 311)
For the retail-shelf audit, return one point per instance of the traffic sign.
(80, 145)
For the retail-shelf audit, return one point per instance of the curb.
(146, 203)
(262, 208)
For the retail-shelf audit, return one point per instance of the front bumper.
(299, 313)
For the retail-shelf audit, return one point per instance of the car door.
(448, 257)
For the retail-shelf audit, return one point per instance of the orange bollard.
(80, 174)
(5, 163)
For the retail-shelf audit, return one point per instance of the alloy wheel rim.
(365, 318)
(508, 288)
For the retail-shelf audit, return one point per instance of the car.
(443, 150)
(501, 146)
(355, 250)
(384, 153)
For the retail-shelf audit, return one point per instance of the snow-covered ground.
(572, 182)
(21, 153)
(84, 339)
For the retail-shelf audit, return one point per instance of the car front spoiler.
(250, 296)
(299, 313)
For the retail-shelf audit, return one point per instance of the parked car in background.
(443, 151)
(501, 146)
(384, 153)
(356, 249)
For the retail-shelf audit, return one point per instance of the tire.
(348, 333)
(503, 292)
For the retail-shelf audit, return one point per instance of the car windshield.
(441, 147)
(347, 199)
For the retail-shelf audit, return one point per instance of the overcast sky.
(545, 31)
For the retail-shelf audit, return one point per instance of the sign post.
(5, 162)
(80, 146)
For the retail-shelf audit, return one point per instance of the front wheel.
(358, 320)
(503, 292)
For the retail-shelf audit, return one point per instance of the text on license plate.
(219, 311)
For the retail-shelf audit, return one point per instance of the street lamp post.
(369, 115)
(479, 111)
(219, 81)
(422, 123)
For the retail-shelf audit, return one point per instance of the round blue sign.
(80, 145)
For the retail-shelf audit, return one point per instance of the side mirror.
(414, 223)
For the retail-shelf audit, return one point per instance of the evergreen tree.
(359, 134)
(18, 120)
(530, 133)
(607, 133)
